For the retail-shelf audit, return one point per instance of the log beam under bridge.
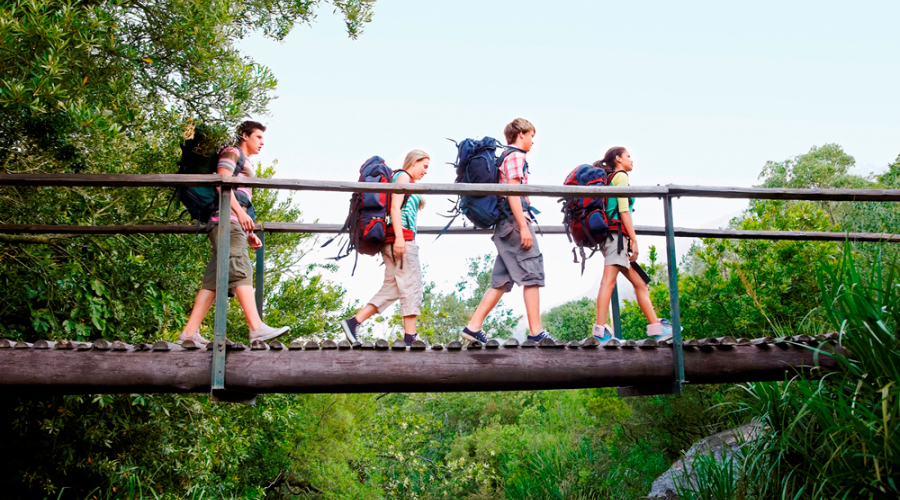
(67, 367)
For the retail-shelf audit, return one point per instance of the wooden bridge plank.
(54, 371)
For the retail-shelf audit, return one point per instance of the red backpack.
(366, 224)
(585, 219)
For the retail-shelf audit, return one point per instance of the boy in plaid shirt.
(519, 259)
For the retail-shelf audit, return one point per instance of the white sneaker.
(266, 333)
(661, 330)
(603, 333)
(196, 338)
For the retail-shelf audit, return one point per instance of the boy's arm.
(397, 219)
(515, 205)
(243, 219)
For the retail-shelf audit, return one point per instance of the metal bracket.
(672, 263)
(617, 323)
(260, 271)
(223, 251)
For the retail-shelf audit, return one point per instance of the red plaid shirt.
(514, 168)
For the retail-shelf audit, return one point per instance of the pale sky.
(700, 92)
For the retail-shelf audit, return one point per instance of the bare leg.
(366, 313)
(409, 325)
(607, 284)
(642, 293)
(533, 308)
(487, 304)
(247, 300)
(202, 304)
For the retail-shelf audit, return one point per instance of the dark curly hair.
(247, 128)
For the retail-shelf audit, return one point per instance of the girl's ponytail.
(608, 162)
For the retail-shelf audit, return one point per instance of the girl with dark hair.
(620, 250)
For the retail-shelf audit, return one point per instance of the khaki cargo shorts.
(403, 283)
(611, 255)
(240, 272)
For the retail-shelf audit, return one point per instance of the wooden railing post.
(223, 250)
(672, 262)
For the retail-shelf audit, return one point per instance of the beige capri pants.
(401, 283)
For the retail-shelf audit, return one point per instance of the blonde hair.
(413, 157)
(516, 127)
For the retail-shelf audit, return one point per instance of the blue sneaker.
(603, 333)
(474, 336)
(409, 339)
(541, 336)
(661, 330)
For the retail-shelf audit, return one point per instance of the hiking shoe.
(474, 336)
(266, 333)
(349, 328)
(603, 333)
(661, 330)
(409, 339)
(541, 336)
(196, 338)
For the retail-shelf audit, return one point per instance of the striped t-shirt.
(410, 210)
(228, 159)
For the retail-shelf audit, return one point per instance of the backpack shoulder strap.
(614, 174)
(411, 180)
(239, 166)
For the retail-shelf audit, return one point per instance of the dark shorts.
(239, 270)
(515, 264)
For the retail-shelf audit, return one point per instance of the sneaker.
(661, 330)
(350, 330)
(266, 333)
(541, 336)
(409, 339)
(196, 338)
(474, 336)
(603, 333)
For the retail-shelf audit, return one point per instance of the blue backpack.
(477, 163)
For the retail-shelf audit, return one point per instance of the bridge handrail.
(558, 191)
(297, 227)
(666, 193)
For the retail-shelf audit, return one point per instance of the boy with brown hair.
(240, 273)
(519, 259)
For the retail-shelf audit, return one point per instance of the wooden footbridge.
(67, 367)
(232, 371)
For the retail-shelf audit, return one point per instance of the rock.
(721, 445)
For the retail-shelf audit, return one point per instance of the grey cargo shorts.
(515, 264)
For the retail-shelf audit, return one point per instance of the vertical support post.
(223, 250)
(677, 352)
(260, 272)
(617, 323)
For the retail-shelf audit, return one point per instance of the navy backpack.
(477, 163)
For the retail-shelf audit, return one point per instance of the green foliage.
(572, 320)
(835, 437)
(445, 314)
(109, 87)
